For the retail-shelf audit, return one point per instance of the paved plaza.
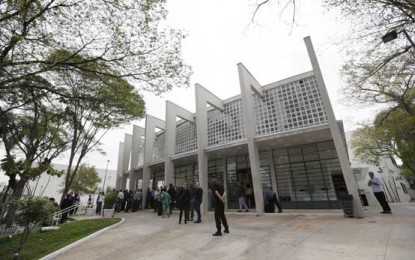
(291, 235)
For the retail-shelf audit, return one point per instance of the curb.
(76, 243)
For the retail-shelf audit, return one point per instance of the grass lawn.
(40, 244)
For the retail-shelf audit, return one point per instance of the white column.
(118, 184)
(172, 112)
(138, 132)
(335, 132)
(128, 140)
(249, 86)
(203, 98)
(150, 132)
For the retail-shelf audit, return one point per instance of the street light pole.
(105, 177)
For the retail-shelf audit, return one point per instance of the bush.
(110, 200)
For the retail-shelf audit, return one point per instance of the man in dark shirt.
(66, 203)
(172, 193)
(219, 196)
(197, 201)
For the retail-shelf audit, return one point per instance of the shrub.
(110, 200)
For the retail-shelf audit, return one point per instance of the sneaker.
(226, 231)
(247, 210)
(199, 221)
(386, 212)
(217, 234)
(239, 210)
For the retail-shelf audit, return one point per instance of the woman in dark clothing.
(183, 203)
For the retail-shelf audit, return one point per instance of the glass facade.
(157, 180)
(184, 174)
(309, 176)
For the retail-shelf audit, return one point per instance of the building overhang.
(184, 159)
(297, 137)
(157, 166)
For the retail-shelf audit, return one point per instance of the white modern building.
(283, 135)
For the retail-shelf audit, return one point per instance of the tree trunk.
(22, 242)
(17, 194)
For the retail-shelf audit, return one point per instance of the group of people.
(186, 199)
(70, 200)
(128, 200)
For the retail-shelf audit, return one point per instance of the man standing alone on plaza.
(219, 196)
(376, 184)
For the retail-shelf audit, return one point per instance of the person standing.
(66, 203)
(377, 188)
(100, 200)
(192, 191)
(172, 193)
(197, 201)
(165, 202)
(241, 197)
(135, 201)
(90, 201)
(219, 195)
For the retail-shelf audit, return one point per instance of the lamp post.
(390, 36)
(105, 177)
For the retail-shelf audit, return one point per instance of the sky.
(220, 34)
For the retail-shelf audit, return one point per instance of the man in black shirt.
(197, 201)
(172, 193)
(219, 196)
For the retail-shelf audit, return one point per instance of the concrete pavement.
(291, 235)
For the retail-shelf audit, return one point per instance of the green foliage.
(86, 180)
(43, 36)
(40, 244)
(32, 210)
(110, 200)
(392, 135)
(12, 167)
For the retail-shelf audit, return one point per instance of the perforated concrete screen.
(291, 106)
(227, 126)
(158, 148)
(186, 140)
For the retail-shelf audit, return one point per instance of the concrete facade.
(282, 135)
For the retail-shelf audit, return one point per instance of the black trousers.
(197, 209)
(186, 214)
(220, 217)
(380, 196)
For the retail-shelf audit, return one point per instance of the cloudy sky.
(220, 34)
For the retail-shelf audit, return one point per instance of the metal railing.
(57, 216)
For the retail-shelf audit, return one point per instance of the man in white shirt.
(376, 184)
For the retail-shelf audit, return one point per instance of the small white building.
(51, 186)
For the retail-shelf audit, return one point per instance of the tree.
(102, 42)
(115, 102)
(32, 136)
(392, 136)
(86, 180)
(125, 35)
(31, 212)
